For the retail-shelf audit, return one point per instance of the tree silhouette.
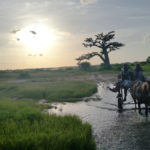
(101, 41)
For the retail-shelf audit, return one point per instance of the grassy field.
(53, 85)
(67, 84)
(22, 123)
(52, 91)
(24, 127)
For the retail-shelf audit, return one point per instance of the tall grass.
(24, 127)
(52, 91)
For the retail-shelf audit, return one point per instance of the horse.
(140, 92)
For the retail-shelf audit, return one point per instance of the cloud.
(71, 3)
(138, 17)
(86, 2)
(34, 55)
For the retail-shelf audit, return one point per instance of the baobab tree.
(102, 42)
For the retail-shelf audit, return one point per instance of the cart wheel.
(120, 102)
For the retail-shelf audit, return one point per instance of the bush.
(24, 75)
(84, 65)
(148, 59)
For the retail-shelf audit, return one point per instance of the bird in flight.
(33, 32)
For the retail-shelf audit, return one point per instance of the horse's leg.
(135, 102)
(139, 106)
(125, 94)
(134, 99)
(146, 110)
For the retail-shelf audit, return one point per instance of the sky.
(50, 33)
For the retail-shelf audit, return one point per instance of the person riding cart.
(138, 74)
(124, 80)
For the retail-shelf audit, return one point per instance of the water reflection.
(111, 130)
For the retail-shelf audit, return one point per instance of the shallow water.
(112, 130)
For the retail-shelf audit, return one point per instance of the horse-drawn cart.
(140, 92)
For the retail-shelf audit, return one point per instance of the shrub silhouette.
(84, 65)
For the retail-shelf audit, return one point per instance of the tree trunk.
(106, 61)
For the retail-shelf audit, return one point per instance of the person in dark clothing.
(125, 81)
(127, 76)
(126, 73)
(124, 78)
(138, 73)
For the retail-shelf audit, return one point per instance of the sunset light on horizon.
(50, 33)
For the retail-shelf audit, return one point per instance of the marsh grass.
(24, 127)
(65, 84)
(52, 91)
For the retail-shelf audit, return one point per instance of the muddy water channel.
(112, 130)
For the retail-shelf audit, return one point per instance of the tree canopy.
(104, 44)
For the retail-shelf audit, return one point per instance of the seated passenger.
(138, 74)
(124, 79)
(127, 76)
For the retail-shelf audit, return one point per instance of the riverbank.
(111, 130)
(23, 126)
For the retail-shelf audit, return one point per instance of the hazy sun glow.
(36, 38)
